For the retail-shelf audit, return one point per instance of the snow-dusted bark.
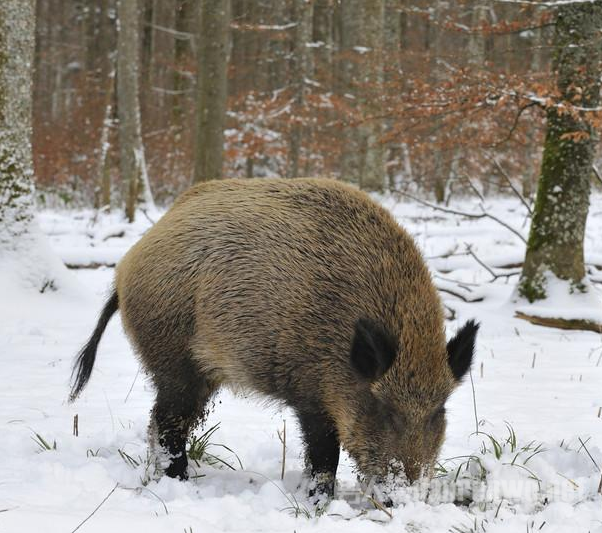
(133, 163)
(26, 260)
(17, 23)
(557, 231)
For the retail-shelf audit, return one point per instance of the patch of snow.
(566, 301)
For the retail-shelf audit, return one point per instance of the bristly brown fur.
(261, 284)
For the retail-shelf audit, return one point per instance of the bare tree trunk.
(17, 30)
(441, 160)
(371, 130)
(184, 51)
(303, 16)
(132, 161)
(350, 15)
(323, 14)
(212, 88)
(558, 226)
(477, 43)
(103, 169)
(163, 57)
(529, 177)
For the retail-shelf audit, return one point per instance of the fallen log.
(561, 323)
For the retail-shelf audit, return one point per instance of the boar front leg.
(322, 451)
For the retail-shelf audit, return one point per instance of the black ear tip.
(460, 349)
(472, 326)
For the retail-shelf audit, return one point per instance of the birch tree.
(132, 160)
(212, 88)
(555, 244)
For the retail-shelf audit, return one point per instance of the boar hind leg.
(181, 402)
(322, 452)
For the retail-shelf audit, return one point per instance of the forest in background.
(438, 97)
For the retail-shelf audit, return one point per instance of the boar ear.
(460, 349)
(373, 349)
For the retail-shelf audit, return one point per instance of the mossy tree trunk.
(214, 38)
(557, 232)
(17, 30)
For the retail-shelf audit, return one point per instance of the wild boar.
(305, 291)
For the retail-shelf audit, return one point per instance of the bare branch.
(512, 186)
(484, 213)
(502, 223)
(516, 119)
(473, 187)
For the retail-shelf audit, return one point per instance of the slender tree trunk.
(362, 41)
(558, 226)
(17, 30)
(350, 15)
(303, 16)
(371, 130)
(184, 51)
(441, 159)
(529, 177)
(163, 58)
(477, 43)
(212, 88)
(132, 161)
(323, 14)
(103, 171)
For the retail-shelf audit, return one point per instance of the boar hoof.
(321, 487)
(178, 468)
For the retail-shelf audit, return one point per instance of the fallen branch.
(450, 312)
(561, 323)
(116, 235)
(462, 292)
(91, 266)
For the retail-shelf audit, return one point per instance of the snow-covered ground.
(538, 398)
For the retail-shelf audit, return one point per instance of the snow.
(544, 383)
(568, 302)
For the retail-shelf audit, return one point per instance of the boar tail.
(82, 368)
